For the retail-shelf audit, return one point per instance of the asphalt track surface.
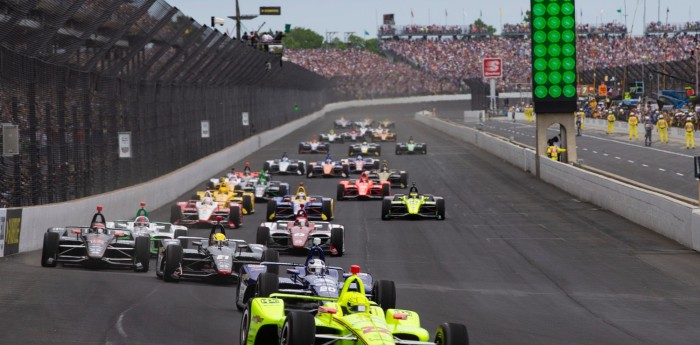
(518, 261)
(666, 166)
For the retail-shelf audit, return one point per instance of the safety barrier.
(669, 217)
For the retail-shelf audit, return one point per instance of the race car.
(383, 135)
(360, 164)
(234, 179)
(342, 122)
(328, 168)
(216, 258)
(205, 211)
(386, 123)
(366, 122)
(411, 147)
(95, 246)
(223, 195)
(312, 278)
(142, 226)
(264, 189)
(413, 206)
(397, 178)
(354, 135)
(332, 137)
(365, 149)
(314, 146)
(363, 188)
(316, 207)
(299, 234)
(285, 166)
(352, 318)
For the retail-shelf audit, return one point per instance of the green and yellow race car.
(349, 319)
(413, 206)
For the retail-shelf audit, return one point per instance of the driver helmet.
(364, 143)
(218, 237)
(359, 157)
(355, 302)
(301, 195)
(207, 200)
(331, 131)
(385, 165)
(284, 157)
(141, 221)
(316, 266)
(223, 187)
(98, 227)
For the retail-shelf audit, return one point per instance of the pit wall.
(671, 218)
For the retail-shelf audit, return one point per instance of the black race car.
(365, 149)
(214, 258)
(411, 147)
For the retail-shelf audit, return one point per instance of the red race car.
(363, 188)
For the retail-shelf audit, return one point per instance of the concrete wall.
(671, 218)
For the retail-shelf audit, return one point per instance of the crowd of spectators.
(361, 74)
(519, 29)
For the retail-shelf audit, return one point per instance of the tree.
(356, 42)
(480, 24)
(302, 38)
(526, 18)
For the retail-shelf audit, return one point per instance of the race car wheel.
(340, 196)
(440, 205)
(142, 253)
(195, 197)
(175, 214)
(263, 235)
(346, 170)
(268, 283)
(378, 152)
(247, 204)
(386, 209)
(327, 209)
(309, 171)
(386, 190)
(180, 233)
(50, 250)
(452, 334)
(266, 166)
(271, 255)
(403, 179)
(337, 239)
(384, 293)
(210, 186)
(271, 210)
(301, 148)
(425, 149)
(398, 150)
(241, 302)
(351, 153)
(376, 164)
(234, 216)
(173, 258)
(299, 329)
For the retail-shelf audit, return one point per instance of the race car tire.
(240, 305)
(403, 179)
(425, 149)
(346, 170)
(440, 206)
(386, 190)
(386, 209)
(263, 235)
(267, 284)
(299, 329)
(337, 240)
(351, 153)
(271, 255)
(142, 253)
(301, 170)
(452, 334)
(340, 195)
(173, 258)
(341, 140)
(247, 204)
(309, 170)
(50, 249)
(266, 166)
(284, 189)
(378, 152)
(180, 233)
(384, 293)
(327, 209)
(175, 214)
(234, 216)
(210, 185)
(398, 150)
(195, 197)
(271, 210)
(301, 148)
(376, 164)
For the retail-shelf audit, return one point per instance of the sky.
(358, 16)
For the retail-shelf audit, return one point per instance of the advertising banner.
(13, 225)
(124, 144)
(3, 214)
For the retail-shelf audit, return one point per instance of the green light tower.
(553, 56)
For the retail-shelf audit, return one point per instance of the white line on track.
(660, 169)
(644, 165)
(618, 158)
(605, 154)
(679, 174)
(630, 161)
(595, 151)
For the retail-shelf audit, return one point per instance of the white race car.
(285, 166)
(142, 226)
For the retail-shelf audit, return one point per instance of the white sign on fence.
(205, 129)
(124, 144)
(244, 118)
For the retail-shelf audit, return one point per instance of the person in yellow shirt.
(662, 128)
(579, 121)
(554, 151)
(633, 121)
(611, 123)
(689, 134)
(528, 113)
